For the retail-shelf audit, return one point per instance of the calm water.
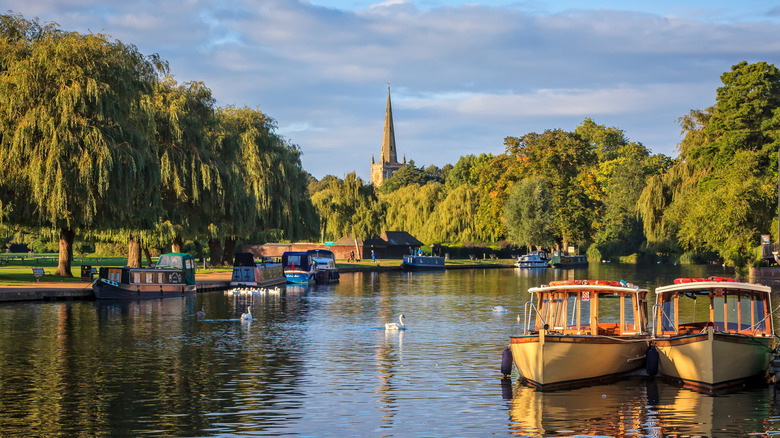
(317, 362)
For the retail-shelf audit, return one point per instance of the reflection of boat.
(581, 331)
(298, 267)
(729, 338)
(247, 272)
(561, 259)
(173, 276)
(325, 267)
(601, 410)
(422, 263)
(683, 412)
(534, 259)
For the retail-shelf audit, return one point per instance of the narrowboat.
(713, 333)
(422, 263)
(578, 332)
(534, 259)
(325, 266)
(298, 267)
(249, 273)
(172, 276)
(563, 260)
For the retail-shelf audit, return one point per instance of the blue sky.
(464, 74)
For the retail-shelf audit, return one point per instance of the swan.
(201, 313)
(248, 315)
(396, 325)
(500, 309)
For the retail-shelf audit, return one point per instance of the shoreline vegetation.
(103, 147)
(16, 269)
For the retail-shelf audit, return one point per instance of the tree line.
(593, 188)
(99, 141)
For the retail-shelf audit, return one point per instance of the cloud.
(463, 76)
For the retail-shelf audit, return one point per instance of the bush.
(593, 253)
(108, 249)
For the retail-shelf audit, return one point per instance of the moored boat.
(249, 273)
(713, 333)
(325, 266)
(579, 332)
(422, 263)
(561, 259)
(298, 267)
(534, 259)
(172, 276)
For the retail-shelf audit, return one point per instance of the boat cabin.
(579, 307)
(691, 305)
(299, 261)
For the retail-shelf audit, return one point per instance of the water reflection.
(641, 406)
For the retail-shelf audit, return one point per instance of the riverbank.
(58, 289)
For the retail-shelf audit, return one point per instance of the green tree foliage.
(528, 213)
(720, 194)
(409, 208)
(348, 207)
(75, 120)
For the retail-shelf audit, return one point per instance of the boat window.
(745, 312)
(557, 312)
(732, 315)
(668, 313)
(585, 310)
(136, 277)
(609, 308)
(718, 314)
(759, 314)
(160, 277)
(628, 313)
(149, 277)
(571, 310)
(544, 307)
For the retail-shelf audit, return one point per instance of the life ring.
(566, 282)
(606, 283)
(729, 280)
(689, 280)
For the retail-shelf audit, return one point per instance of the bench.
(38, 273)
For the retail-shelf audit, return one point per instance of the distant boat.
(534, 259)
(422, 263)
(299, 268)
(173, 276)
(722, 342)
(249, 273)
(561, 259)
(325, 266)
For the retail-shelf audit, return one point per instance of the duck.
(248, 315)
(396, 325)
(201, 313)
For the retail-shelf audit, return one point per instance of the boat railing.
(754, 327)
(528, 310)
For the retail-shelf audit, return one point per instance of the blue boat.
(422, 263)
(299, 268)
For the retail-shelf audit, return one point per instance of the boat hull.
(710, 361)
(109, 290)
(553, 361)
(299, 277)
(535, 265)
(422, 263)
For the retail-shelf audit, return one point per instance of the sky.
(463, 75)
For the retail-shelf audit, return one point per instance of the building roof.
(388, 139)
(399, 238)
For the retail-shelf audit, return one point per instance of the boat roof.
(702, 285)
(587, 287)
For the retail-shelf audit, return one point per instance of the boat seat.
(608, 328)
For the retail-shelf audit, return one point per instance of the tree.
(528, 213)
(75, 122)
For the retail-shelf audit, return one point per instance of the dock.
(54, 291)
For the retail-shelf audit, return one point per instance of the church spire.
(388, 140)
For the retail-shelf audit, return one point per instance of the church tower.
(388, 160)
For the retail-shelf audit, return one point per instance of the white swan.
(499, 309)
(201, 313)
(248, 315)
(396, 325)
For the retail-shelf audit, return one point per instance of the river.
(317, 362)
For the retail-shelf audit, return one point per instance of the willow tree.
(75, 122)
